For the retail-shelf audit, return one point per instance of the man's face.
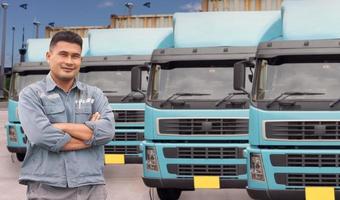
(64, 60)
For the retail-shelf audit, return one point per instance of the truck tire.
(20, 156)
(168, 194)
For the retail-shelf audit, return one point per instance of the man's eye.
(63, 54)
(75, 56)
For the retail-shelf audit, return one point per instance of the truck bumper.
(188, 183)
(16, 149)
(129, 159)
(281, 194)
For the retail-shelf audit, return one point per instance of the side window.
(156, 81)
(262, 86)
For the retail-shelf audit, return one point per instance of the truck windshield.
(113, 82)
(209, 77)
(23, 79)
(274, 80)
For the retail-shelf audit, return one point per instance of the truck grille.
(128, 136)
(306, 160)
(308, 179)
(209, 170)
(303, 130)
(221, 127)
(127, 116)
(203, 152)
(121, 149)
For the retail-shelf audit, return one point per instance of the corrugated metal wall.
(141, 21)
(159, 21)
(240, 5)
(81, 30)
(137, 21)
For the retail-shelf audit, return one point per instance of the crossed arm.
(79, 133)
(56, 137)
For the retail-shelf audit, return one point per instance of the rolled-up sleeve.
(36, 125)
(103, 129)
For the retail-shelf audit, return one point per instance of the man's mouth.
(67, 69)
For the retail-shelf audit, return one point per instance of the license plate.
(207, 182)
(317, 193)
(114, 159)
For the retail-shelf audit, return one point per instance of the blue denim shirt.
(44, 103)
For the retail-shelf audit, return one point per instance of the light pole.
(13, 32)
(3, 47)
(129, 5)
(22, 50)
(36, 24)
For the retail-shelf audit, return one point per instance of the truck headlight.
(12, 134)
(256, 167)
(151, 159)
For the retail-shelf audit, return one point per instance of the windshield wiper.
(109, 91)
(131, 95)
(181, 94)
(284, 95)
(334, 103)
(230, 95)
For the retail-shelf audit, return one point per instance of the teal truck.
(196, 124)
(115, 63)
(33, 69)
(294, 119)
(23, 74)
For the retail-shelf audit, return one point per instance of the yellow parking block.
(317, 193)
(207, 182)
(114, 159)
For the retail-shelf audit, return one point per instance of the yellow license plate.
(207, 182)
(317, 193)
(114, 159)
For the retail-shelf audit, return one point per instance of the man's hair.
(66, 36)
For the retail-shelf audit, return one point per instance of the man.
(67, 123)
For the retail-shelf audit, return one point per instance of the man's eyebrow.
(66, 52)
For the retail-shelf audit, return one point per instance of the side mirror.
(239, 76)
(136, 79)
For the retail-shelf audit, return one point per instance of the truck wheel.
(168, 194)
(20, 156)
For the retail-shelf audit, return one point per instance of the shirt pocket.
(55, 111)
(83, 113)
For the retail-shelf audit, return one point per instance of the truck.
(33, 69)
(196, 124)
(294, 106)
(22, 75)
(115, 63)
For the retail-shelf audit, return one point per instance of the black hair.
(66, 36)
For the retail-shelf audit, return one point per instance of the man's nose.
(69, 60)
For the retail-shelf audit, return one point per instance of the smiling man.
(67, 124)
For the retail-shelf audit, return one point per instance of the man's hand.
(95, 117)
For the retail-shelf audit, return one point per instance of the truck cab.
(196, 124)
(294, 118)
(294, 107)
(23, 74)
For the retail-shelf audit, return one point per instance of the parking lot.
(123, 181)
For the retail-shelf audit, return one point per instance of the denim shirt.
(44, 103)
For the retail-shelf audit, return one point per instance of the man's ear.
(48, 56)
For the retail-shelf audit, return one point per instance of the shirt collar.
(50, 84)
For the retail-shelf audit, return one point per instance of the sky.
(75, 13)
